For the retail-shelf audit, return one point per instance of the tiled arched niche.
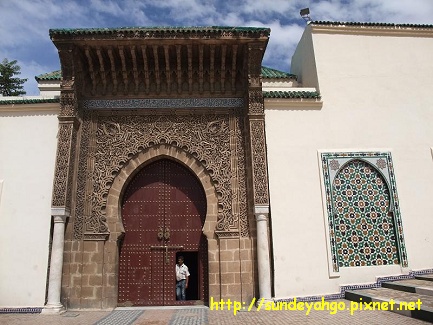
(343, 173)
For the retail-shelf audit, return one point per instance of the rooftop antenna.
(305, 14)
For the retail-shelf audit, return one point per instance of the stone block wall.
(90, 272)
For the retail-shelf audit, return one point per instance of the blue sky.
(24, 24)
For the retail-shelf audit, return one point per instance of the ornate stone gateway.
(133, 96)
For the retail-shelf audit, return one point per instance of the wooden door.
(163, 212)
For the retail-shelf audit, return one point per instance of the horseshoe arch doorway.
(163, 213)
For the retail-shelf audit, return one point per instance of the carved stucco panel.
(62, 187)
(242, 180)
(109, 141)
(67, 101)
(81, 195)
(255, 102)
(258, 155)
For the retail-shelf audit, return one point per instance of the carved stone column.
(54, 306)
(261, 214)
(258, 165)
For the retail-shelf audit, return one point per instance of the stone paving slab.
(414, 282)
(400, 296)
(422, 287)
(317, 317)
(193, 316)
(405, 303)
(428, 277)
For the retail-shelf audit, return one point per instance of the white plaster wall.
(277, 84)
(27, 155)
(303, 63)
(376, 94)
(49, 88)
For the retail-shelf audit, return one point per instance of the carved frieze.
(178, 103)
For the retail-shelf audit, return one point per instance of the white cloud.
(107, 7)
(267, 7)
(392, 11)
(186, 12)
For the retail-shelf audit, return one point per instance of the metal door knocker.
(167, 234)
(160, 234)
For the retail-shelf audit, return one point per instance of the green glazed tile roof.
(55, 75)
(291, 94)
(168, 30)
(367, 24)
(276, 74)
(266, 73)
(266, 94)
(29, 101)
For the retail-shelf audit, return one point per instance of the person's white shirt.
(181, 272)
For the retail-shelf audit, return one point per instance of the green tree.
(10, 85)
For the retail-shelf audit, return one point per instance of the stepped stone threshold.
(406, 295)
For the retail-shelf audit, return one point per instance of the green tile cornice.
(276, 74)
(29, 101)
(266, 73)
(164, 32)
(55, 75)
(291, 94)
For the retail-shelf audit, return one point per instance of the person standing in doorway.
(182, 277)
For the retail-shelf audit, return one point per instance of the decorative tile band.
(343, 289)
(163, 103)
(25, 310)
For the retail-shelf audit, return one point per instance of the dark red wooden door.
(163, 212)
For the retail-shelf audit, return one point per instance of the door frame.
(114, 219)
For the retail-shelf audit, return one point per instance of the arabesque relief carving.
(255, 102)
(68, 104)
(257, 128)
(110, 140)
(60, 185)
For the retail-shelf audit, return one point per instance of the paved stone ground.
(203, 315)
